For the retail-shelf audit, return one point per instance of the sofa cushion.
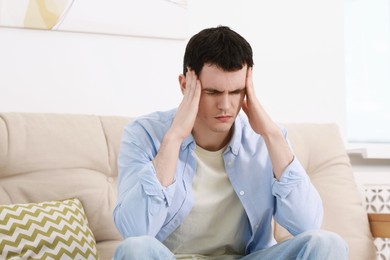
(321, 151)
(45, 157)
(55, 229)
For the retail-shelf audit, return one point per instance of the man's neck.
(212, 141)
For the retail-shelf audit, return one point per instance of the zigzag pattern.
(49, 230)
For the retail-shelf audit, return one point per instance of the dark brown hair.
(219, 46)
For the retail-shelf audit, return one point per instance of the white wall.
(45, 71)
(298, 52)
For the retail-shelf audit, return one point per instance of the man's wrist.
(273, 132)
(173, 137)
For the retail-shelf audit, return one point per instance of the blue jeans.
(316, 245)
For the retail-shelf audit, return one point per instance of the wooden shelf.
(379, 224)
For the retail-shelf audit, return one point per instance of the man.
(206, 180)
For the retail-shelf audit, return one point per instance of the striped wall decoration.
(48, 230)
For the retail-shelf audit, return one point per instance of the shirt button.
(242, 193)
(257, 226)
(229, 163)
(110, 179)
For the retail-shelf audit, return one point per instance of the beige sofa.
(45, 157)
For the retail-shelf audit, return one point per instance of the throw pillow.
(48, 230)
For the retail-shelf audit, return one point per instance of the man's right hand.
(166, 158)
(188, 109)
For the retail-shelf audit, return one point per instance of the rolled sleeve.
(153, 187)
(298, 204)
(292, 177)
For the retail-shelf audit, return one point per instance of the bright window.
(367, 48)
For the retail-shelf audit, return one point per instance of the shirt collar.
(235, 142)
(188, 142)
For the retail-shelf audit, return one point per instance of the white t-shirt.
(216, 223)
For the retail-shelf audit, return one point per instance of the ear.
(182, 82)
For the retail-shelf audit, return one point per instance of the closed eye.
(212, 92)
(236, 92)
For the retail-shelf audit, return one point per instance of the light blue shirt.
(145, 207)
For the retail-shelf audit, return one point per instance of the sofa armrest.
(379, 224)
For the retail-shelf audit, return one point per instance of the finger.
(198, 91)
(194, 81)
(245, 107)
(191, 80)
(187, 91)
(195, 97)
(249, 83)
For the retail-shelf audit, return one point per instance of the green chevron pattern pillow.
(48, 230)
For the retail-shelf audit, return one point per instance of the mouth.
(223, 118)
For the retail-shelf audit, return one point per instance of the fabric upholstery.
(45, 157)
(47, 230)
(320, 149)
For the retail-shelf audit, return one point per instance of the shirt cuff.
(153, 187)
(292, 177)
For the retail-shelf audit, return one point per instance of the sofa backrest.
(53, 157)
(321, 151)
(47, 157)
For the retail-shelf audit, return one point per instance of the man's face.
(221, 99)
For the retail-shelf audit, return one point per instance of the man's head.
(219, 58)
(219, 46)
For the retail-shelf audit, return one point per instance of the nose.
(224, 101)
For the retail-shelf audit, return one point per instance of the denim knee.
(327, 238)
(326, 243)
(142, 247)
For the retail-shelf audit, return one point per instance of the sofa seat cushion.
(54, 229)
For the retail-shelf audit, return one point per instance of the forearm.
(182, 125)
(166, 159)
(279, 151)
(142, 201)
